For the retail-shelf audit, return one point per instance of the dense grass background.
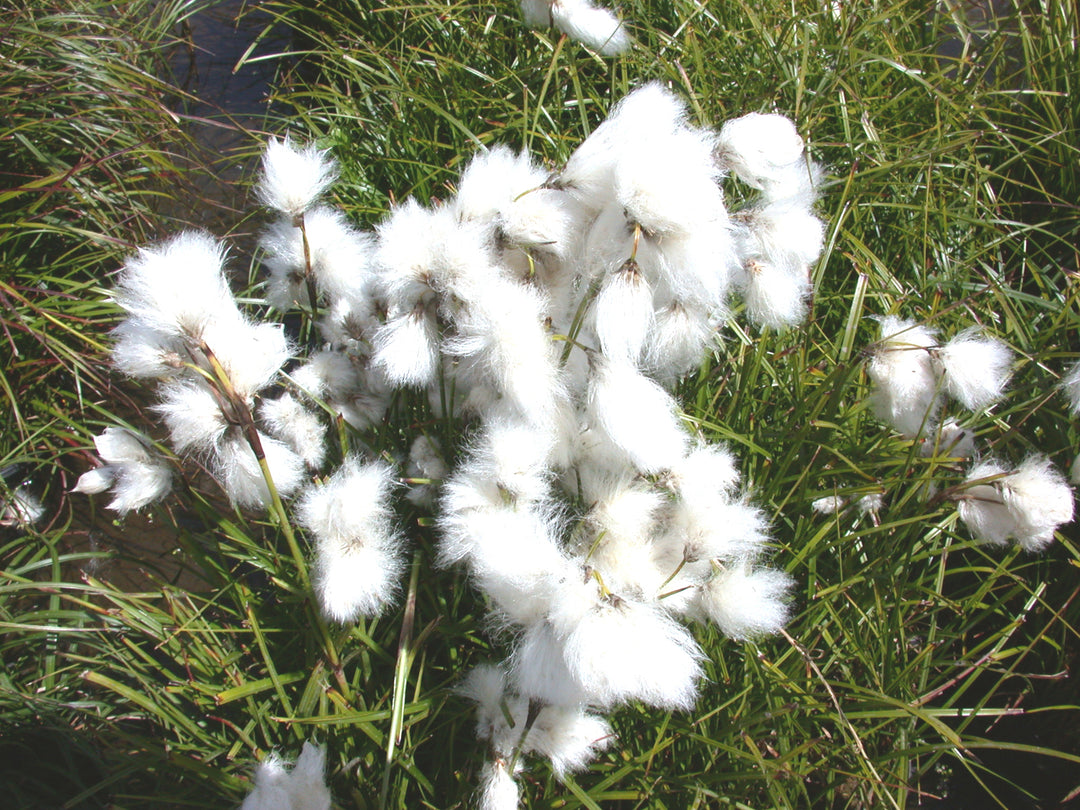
(919, 670)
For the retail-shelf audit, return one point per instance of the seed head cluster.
(548, 315)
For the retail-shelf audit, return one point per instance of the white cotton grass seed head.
(192, 416)
(519, 576)
(285, 418)
(637, 415)
(358, 553)
(303, 787)
(251, 354)
(505, 192)
(715, 528)
(137, 475)
(696, 270)
(349, 323)
(498, 788)
(515, 455)
(1070, 385)
(760, 148)
(975, 369)
(538, 667)
(781, 234)
(649, 111)
(1041, 500)
(326, 375)
(981, 506)
(569, 737)
(175, 289)
(667, 184)
(236, 468)
(140, 351)
(504, 332)
(423, 253)
(407, 349)
(355, 580)
(1028, 503)
(623, 510)
(746, 603)
(828, 504)
(352, 505)
(705, 473)
(294, 177)
(485, 685)
(905, 391)
(622, 313)
(872, 503)
(678, 341)
(592, 26)
(340, 258)
(950, 440)
(623, 650)
(774, 296)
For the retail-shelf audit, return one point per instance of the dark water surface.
(228, 67)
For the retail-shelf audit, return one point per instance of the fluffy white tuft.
(508, 193)
(569, 736)
(760, 149)
(745, 603)
(503, 332)
(590, 25)
(498, 788)
(623, 313)
(1040, 498)
(637, 415)
(423, 253)
(358, 558)
(293, 177)
(407, 349)
(667, 183)
(177, 288)
(647, 111)
(678, 340)
(285, 418)
(774, 296)
(251, 354)
(828, 504)
(905, 394)
(138, 475)
(340, 258)
(785, 235)
(237, 470)
(623, 650)
(302, 788)
(538, 668)
(1027, 504)
(192, 416)
(950, 441)
(1070, 384)
(975, 369)
(981, 506)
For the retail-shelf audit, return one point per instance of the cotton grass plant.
(916, 662)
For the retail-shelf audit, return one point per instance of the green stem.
(401, 679)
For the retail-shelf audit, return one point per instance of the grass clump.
(917, 665)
